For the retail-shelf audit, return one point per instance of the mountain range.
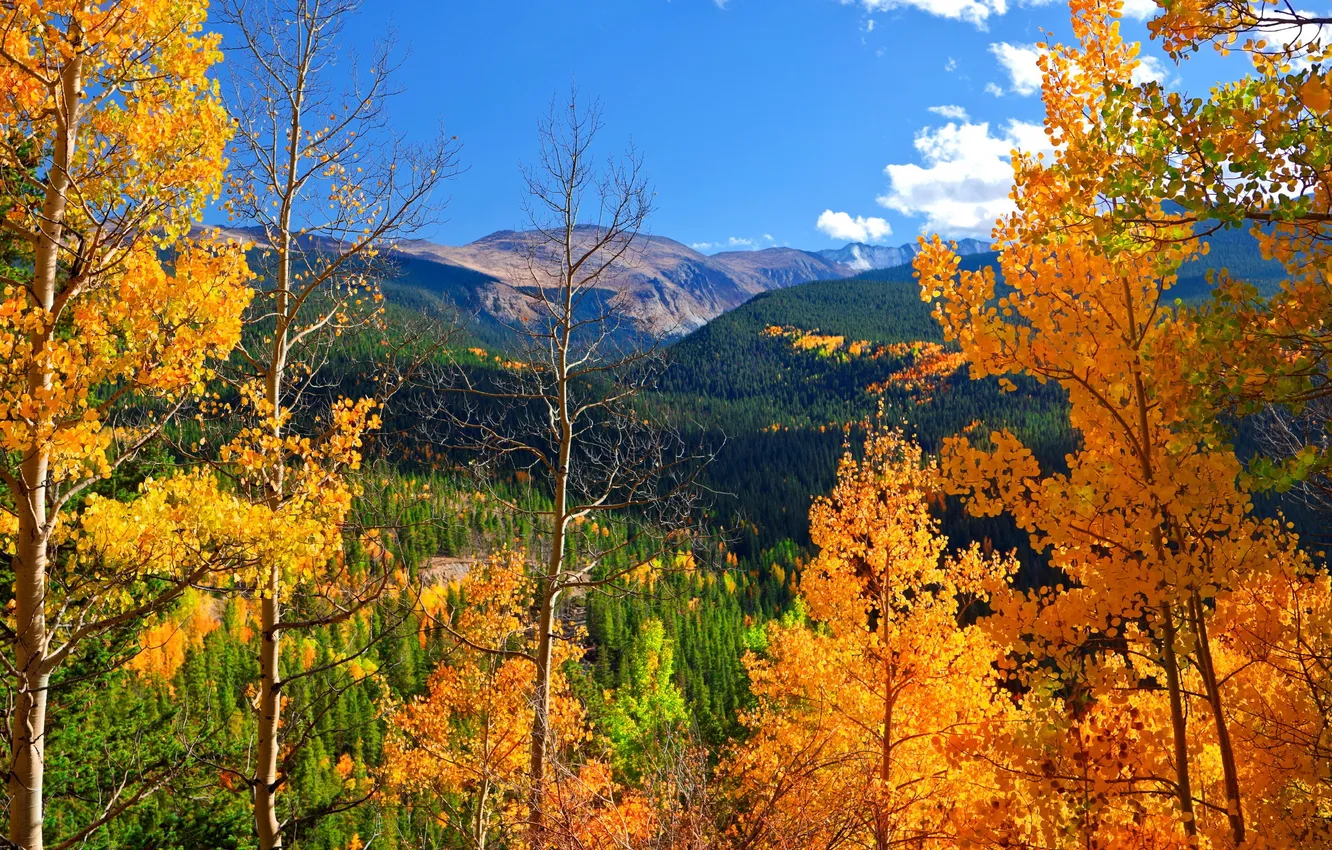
(672, 288)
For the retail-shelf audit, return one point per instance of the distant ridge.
(673, 289)
(860, 257)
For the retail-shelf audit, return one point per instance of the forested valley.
(1018, 549)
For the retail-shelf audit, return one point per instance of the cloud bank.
(950, 111)
(972, 11)
(965, 175)
(1019, 60)
(843, 227)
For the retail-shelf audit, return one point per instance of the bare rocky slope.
(670, 288)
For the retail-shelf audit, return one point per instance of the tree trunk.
(1234, 811)
(481, 825)
(541, 719)
(549, 588)
(28, 724)
(1183, 787)
(883, 828)
(265, 780)
(1178, 725)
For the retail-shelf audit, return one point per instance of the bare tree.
(328, 187)
(568, 409)
(678, 781)
(1286, 434)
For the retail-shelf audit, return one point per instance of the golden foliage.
(162, 645)
(854, 739)
(462, 751)
(1152, 713)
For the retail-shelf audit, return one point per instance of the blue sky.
(807, 123)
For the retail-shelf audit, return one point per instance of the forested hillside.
(779, 406)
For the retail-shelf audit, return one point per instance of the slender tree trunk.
(541, 719)
(480, 826)
(28, 723)
(541, 733)
(265, 781)
(563, 424)
(1178, 725)
(1234, 811)
(883, 829)
(1183, 787)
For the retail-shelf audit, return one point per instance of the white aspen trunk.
(27, 728)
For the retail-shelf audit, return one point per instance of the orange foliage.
(162, 645)
(1141, 169)
(462, 751)
(854, 741)
(931, 367)
(1161, 705)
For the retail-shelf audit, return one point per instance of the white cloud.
(972, 11)
(732, 243)
(1150, 70)
(951, 64)
(991, 88)
(721, 4)
(1140, 9)
(966, 176)
(1019, 60)
(840, 225)
(950, 111)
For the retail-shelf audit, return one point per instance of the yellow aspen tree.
(855, 738)
(323, 187)
(113, 141)
(1153, 518)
